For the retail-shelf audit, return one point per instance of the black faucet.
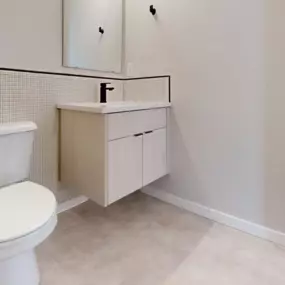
(103, 92)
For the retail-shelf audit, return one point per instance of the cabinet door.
(124, 167)
(154, 156)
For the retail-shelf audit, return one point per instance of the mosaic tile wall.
(34, 97)
(154, 89)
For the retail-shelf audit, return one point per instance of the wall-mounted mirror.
(93, 34)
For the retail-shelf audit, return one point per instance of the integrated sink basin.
(112, 107)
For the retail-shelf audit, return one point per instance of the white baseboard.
(219, 217)
(65, 206)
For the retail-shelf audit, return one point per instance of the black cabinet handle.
(149, 132)
(138, 135)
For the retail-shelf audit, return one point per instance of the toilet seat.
(24, 208)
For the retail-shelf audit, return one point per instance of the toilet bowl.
(27, 218)
(27, 210)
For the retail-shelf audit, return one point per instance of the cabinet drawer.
(129, 123)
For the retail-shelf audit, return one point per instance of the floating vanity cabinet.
(109, 156)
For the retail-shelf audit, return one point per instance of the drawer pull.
(149, 132)
(138, 135)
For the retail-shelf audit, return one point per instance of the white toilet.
(27, 210)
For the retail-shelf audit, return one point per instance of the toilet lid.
(24, 208)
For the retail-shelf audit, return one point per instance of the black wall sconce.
(152, 10)
(101, 30)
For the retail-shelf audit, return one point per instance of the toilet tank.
(16, 146)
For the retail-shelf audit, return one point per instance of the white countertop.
(112, 107)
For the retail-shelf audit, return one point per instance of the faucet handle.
(104, 84)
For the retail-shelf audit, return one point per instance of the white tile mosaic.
(25, 96)
(33, 97)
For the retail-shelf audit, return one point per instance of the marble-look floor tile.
(142, 241)
(227, 256)
(137, 241)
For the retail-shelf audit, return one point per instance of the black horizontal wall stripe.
(89, 76)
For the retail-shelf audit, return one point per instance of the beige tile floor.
(142, 241)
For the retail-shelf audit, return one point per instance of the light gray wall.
(227, 65)
(274, 129)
